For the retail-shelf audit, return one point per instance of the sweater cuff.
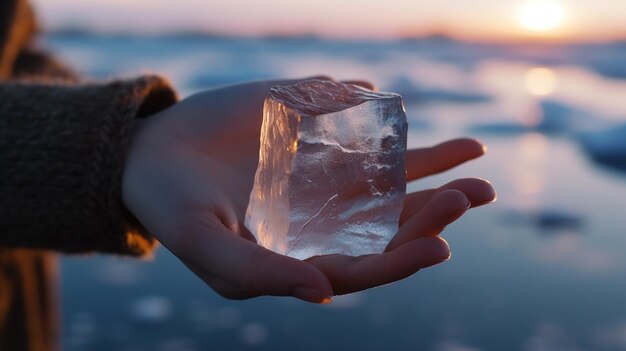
(62, 149)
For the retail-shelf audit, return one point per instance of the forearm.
(62, 150)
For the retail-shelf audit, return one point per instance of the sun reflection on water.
(540, 81)
(529, 177)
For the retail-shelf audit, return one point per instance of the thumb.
(238, 269)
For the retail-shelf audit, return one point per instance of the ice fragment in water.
(331, 177)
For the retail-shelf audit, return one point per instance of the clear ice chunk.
(331, 177)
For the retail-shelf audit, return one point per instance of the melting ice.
(331, 177)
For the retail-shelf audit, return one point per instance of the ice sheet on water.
(331, 176)
(413, 92)
(552, 118)
(607, 147)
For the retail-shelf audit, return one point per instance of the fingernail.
(468, 204)
(310, 295)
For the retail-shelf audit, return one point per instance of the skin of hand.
(188, 176)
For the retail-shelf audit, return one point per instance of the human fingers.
(478, 191)
(432, 160)
(443, 208)
(238, 268)
(349, 274)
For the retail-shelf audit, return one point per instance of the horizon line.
(425, 35)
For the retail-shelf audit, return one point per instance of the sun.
(541, 15)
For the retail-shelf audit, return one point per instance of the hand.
(424, 216)
(188, 177)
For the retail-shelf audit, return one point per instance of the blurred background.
(541, 82)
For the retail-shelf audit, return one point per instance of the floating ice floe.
(253, 334)
(553, 118)
(151, 309)
(412, 92)
(606, 147)
(120, 272)
(548, 219)
(609, 65)
(206, 80)
(557, 219)
(602, 140)
(500, 128)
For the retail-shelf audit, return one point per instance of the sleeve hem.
(62, 152)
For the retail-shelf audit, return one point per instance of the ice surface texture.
(331, 177)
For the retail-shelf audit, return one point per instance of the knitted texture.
(62, 150)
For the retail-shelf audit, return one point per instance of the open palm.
(188, 177)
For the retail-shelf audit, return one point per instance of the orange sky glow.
(466, 19)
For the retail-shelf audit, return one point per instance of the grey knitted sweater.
(62, 149)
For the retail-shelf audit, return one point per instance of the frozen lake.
(542, 269)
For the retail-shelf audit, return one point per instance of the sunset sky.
(470, 19)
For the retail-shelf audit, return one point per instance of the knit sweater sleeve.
(62, 150)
